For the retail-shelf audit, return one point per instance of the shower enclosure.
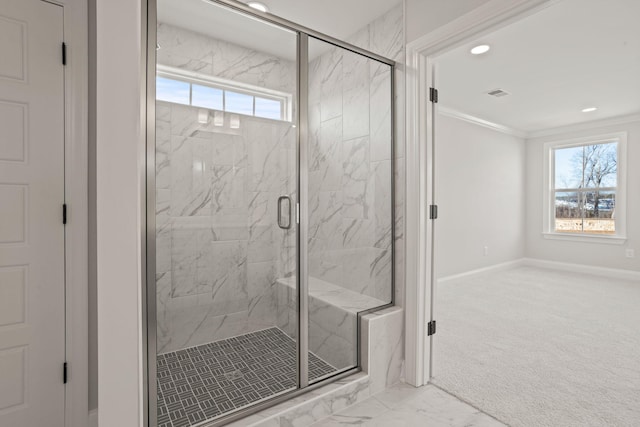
(270, 208)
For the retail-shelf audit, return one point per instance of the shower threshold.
(212, 380)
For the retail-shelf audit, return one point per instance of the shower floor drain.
(234, 375)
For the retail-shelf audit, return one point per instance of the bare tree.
(593, 167)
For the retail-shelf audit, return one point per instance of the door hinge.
(64, 373)
(64, 214)
(433, 95)
(433, 211)
(64, 53)
(431, 328)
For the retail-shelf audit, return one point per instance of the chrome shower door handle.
(281, 224)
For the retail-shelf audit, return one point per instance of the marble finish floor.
(403, 405)
(207, 381)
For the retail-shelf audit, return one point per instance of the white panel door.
(32, 316)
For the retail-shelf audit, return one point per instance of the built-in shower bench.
(335, 295)
(333, 318)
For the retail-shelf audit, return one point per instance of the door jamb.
(76, 184)
(491, 16)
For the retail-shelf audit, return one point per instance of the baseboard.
(492, 268)
(614, 273)
(93, 418)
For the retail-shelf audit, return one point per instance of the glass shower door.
(350, 200)
(226, 232)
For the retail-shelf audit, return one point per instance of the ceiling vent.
(498, 93)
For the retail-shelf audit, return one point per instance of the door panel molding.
(32, 237)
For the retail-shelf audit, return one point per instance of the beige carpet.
(537, 347)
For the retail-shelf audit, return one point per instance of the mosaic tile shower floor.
(204, 382)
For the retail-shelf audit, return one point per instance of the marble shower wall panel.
(185, 49)
(331, 84)
(355, 98)
(219, 251)
(253, 67)
(163, 147)
(330, 154)
(262, 294)
(356, 178)
(380, 116)
(386, 35)
(382, 201)
(350, 167)
(386, 38)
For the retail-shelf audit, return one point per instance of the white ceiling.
(337, 18)
(569, 56)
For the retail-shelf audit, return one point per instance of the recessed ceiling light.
(479, 50)
(258, 6)
(588, 110)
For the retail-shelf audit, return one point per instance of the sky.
(182, 92)
(565, 168)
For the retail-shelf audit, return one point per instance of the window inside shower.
(273, 209)
(200, 90)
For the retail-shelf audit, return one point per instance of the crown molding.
(544, 133)
(450, 112)
(595, 124)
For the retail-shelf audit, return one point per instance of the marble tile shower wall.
(192, 51)
(350, 166)
(219, 251)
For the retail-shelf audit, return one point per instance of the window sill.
(584, 238)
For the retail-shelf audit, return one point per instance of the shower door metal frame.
(149, 348)
(302, 59)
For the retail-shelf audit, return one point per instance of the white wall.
(592, 254)
(472, 159)
(119, 153)
(480, 182)
(424, 16)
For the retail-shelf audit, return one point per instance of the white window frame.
(191, 77)
(548, 214)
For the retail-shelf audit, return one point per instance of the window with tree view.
(585, 188)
